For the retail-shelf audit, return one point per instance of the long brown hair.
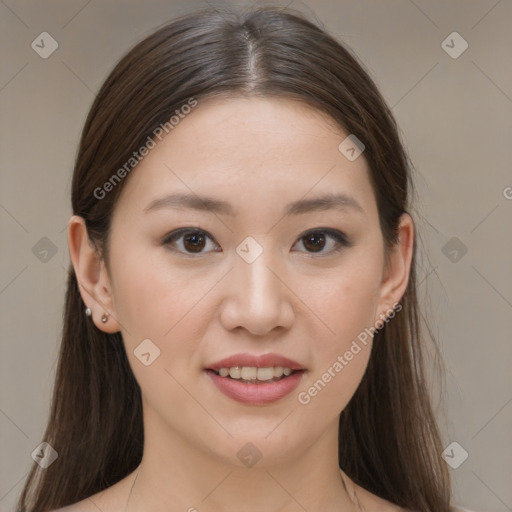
(389, 442)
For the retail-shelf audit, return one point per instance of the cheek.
(347, 305)
(155, 304)
(348, 301)
(152, 298)
(167, 305)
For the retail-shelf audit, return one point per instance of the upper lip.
(261, 361)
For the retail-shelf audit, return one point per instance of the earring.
(104, 318)
(88, 312)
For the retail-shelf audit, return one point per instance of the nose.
(257, 298)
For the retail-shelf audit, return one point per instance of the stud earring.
(88, 312)
(104, 318)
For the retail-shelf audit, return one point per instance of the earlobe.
(92, 276)
(398, 267)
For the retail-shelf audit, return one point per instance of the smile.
(256, 379)
(253, 374)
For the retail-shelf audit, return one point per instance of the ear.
(397, 268)
(91, 273)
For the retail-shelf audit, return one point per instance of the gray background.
(456, 118)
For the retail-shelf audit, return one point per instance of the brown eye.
(316, 241)
(194, 242)
(188, 241)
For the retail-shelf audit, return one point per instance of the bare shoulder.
(86, 505)
(373, 503)
(111, 499)
(81, 506)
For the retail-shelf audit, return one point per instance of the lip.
(259, 393)
(260, 361)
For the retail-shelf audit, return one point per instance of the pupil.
(196, 241)
(315, 236)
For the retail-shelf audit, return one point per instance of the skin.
(258, 155)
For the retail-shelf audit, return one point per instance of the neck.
(191, 480)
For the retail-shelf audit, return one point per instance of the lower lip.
(260, 393)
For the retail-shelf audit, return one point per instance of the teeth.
(253, 373)
(235, 372)
(249, 373)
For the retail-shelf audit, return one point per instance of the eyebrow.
(204, 203)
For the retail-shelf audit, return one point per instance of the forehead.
(249, 151)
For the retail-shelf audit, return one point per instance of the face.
(261, 269)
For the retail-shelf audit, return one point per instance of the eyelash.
(338, 236)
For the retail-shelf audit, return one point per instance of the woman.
(241, 322)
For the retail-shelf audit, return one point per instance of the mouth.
(255, 375)
(256, 380)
